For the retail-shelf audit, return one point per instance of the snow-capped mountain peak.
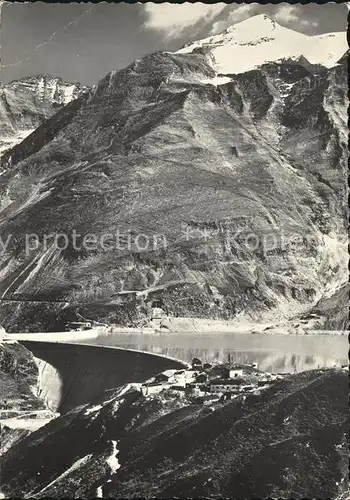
(260, 25)
(258, 40)
(47, 86)
(26, 103)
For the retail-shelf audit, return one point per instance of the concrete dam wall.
(75, 374)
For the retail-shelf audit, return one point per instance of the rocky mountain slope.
(21, 410)
(27, 103)
(214, 195)
(288, 442)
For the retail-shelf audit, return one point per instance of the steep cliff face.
(289, 442)
(213, 195)
(19, 377)
(22, 410)
(27, 103)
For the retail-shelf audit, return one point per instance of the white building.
(236, 373)
(157, 313)
(180, 377)
(153, 388)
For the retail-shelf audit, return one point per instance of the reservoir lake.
(274, 353)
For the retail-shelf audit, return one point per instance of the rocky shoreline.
(178, 325)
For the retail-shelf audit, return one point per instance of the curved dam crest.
(76, 374)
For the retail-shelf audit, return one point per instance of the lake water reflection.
(274, 353)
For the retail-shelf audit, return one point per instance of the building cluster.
(204, 380)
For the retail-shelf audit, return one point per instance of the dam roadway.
(75, 374)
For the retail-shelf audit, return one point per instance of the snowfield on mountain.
(259, 40)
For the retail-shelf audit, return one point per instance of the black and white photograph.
(174, 295)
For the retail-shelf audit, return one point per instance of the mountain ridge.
(163, 147)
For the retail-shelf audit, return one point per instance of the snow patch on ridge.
(99, 492)
(112, 460)
(68, 93)
(217, 80)
(113, 463)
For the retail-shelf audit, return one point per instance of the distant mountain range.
(27, 103)
(201, 151)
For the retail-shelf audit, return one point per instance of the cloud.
(173, 19)
(304, 23)
(287, 14)
(189, 21)
(290, 15)
(296, 17)
(239, 13)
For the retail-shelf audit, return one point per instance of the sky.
(83, 42)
